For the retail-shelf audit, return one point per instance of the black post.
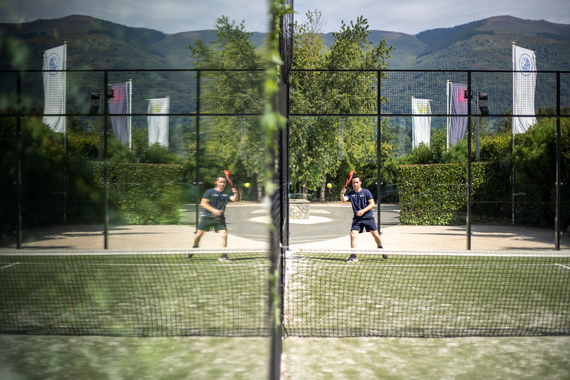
(379, 149)
(469, 179)
(197, 148)
(106, 163)
(19, 163)
(558, 169)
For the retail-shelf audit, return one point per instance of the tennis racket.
(229, 177)
(349, 178)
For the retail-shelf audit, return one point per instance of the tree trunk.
(259, 187)
(323, 187)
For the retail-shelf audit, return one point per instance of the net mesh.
(426, 294)
(142, 293)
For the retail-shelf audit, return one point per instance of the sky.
(175, 16)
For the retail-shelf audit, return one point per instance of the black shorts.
(217, 223)
(360, 224)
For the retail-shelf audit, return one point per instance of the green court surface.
(427, 295)
(134, 294)
(180, 358)
(161, 315)
(426, 359)
(37, 357)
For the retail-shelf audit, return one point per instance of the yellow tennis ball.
(329, 185)
(246, 184)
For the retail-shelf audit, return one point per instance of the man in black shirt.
(214, 203)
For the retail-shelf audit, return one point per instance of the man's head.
(220, 183)
(356, 183)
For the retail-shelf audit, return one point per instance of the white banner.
(524, 84)
(421, 126)
(54, 88)
(158, 125)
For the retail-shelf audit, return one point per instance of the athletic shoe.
(225, 258)
(190, 254)
(352, 259)
(385, 257)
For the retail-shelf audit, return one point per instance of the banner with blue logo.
(524, 85)
(55, 88)
(421, 126)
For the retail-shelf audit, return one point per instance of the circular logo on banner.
(422, 108)
(54, 62)
(459, 95)
(156, 108)
(525, 64)
(118, 95)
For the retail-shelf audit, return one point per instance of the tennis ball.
(246, 184)
(329, 185)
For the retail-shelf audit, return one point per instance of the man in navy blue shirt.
(362, 205)
(214, 203)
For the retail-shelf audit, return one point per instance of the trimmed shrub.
(142, 193)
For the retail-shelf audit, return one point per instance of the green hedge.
(437, 194)
(142, 193)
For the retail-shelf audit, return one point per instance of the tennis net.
(134, 293)
(426, 294)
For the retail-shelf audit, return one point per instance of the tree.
(318, 145)
(230, 142)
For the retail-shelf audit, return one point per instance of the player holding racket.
(214, 203)
(362, 205)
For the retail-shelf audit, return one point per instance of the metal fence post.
(558, 169)
(469, 174)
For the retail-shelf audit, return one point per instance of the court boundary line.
(10, 265)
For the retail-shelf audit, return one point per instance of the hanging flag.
(54, 88)
(118, 105)
(458, 125)
(421, 126)
(524, 85)
(158, 125)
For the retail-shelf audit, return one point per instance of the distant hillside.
(99, 44)
(487, 45)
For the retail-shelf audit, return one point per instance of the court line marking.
(563, 266)
(8, 266)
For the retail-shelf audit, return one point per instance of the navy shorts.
(207, 223)
(360, 224)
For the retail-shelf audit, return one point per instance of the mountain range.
(98, 44)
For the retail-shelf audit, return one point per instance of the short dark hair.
(356, 176)
(221, 176)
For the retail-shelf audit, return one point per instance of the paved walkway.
(393, 238)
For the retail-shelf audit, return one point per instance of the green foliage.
(230, 142)
(432, 194)
(57, 183)
(435, 194)
(142, 193)
(319, 145)
(534, 159)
